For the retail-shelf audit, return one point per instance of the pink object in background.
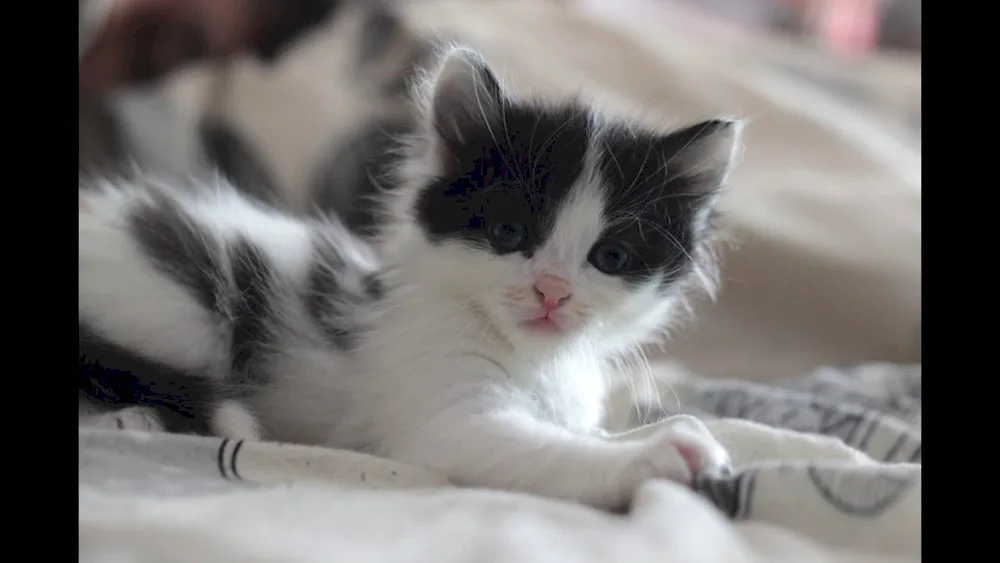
(849, 28)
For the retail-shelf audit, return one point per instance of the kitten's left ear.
(465, 98)
(705, 152)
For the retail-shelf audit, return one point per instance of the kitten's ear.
(705, 152)
(465, 98)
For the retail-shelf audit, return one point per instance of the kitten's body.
(525, 247)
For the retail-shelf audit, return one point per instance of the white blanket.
(796, 495)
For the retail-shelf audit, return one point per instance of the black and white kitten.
(527, 246)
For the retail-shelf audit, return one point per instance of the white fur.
(445, 377)
(232, 420)
(132, 304)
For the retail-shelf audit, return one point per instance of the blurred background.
(824, 211)
(865, 52)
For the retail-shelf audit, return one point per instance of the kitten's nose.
(552, 291)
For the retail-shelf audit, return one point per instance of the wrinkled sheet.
(827, 469)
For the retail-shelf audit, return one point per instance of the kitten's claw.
(680, 451)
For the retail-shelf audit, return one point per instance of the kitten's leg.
(235, 421)
(477, 446)
(515, 452)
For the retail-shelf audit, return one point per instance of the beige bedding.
(816, 478)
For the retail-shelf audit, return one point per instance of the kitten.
(526, 246)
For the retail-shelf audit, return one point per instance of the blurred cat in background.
(142, 129)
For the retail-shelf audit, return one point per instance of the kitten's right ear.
(465, 100)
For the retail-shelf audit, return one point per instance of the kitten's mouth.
(543, 324)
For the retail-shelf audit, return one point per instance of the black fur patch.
(324, 294)
(355, 172)
(236, 157)
(373, 287)
(149, 35)
(280, 23)
(180, 249)
(656, 198)
(114, 377)
(254, 280)
(521, 172)
(103, 140)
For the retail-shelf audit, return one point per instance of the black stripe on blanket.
(227, 460)
(732, 494)
(232, 460)
(221, 458)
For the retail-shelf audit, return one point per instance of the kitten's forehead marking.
(579, 222)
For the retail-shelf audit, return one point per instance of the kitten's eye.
(507, 236)
(609, 257)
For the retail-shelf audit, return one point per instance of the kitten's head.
(552, 221)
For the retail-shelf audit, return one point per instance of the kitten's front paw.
(679, 451)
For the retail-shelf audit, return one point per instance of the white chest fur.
(568, 391)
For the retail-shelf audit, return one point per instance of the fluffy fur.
(205, 311)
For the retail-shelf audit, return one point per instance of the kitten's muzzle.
(552, 292)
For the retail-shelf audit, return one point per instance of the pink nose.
(552, 291)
